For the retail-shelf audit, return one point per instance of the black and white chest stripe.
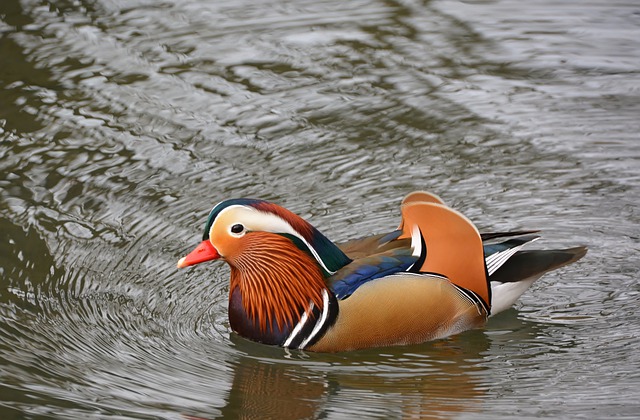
(311, 328)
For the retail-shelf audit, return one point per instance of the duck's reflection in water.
(435, 380)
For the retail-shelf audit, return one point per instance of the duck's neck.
(276, 288)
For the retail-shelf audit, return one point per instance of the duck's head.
(239, 226)
(279, 263)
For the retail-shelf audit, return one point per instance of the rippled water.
(123, 122)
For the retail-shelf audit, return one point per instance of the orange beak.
(203, 252)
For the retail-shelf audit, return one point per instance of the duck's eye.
(237, 228)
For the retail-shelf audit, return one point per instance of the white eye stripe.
(255, 220)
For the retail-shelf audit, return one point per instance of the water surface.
(122, 123)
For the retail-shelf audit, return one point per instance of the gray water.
(123, 122)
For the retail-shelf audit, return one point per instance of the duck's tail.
(517, 274)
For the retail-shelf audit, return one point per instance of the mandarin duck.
(432, 277)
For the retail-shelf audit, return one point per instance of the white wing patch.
(495, 261)
(416, 241)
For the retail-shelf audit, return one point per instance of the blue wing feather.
(363, 270)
